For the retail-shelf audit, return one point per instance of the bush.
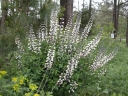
(56, 63)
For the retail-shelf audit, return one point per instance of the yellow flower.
(28, 94)
(33, 86)
(21, 81)
(16, 87)
(27, 80)
(3, 72)
(14, 79)
(36, 94)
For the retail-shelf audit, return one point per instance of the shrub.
(54, 61)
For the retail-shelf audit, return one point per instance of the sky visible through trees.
(76, 4)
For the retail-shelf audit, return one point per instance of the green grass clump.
(115, 81)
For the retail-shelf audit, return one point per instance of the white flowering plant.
(52, 58)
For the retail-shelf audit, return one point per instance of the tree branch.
(122, 3)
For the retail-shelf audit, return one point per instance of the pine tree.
(68, 5)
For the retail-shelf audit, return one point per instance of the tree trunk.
(115, 18)
(41, 4)
(69, 9)
(2, 22)
(4, 14)
(83, 4)
(90, 8)
(68, 5)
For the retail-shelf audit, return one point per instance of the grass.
(115, 81)
(117, 72)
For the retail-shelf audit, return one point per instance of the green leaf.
(49, 94)
(42, 93)
(105, 91)
(98, 88)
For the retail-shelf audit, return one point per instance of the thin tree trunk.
(2, 22)
(90, 8)
(83, 4)
(115, 18)
(4, 14)
(41, 4)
